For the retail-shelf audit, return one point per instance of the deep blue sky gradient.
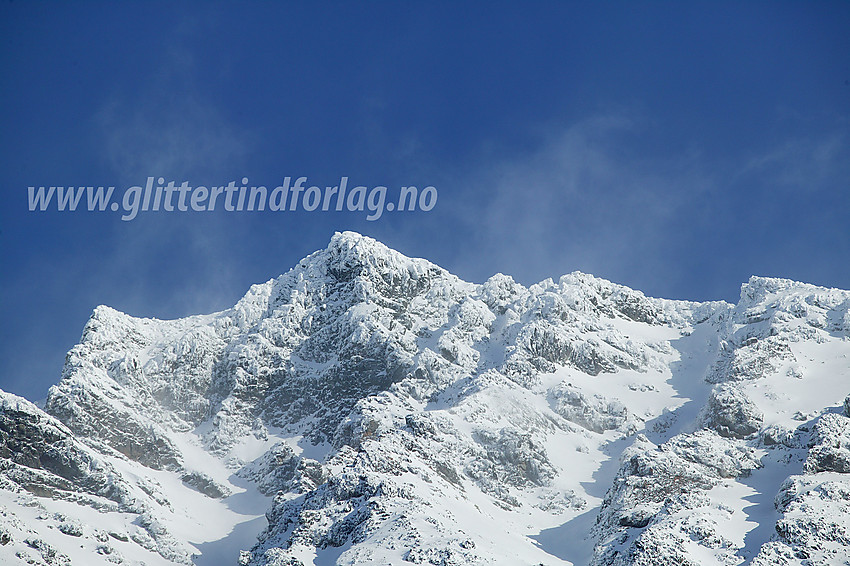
(675, 147)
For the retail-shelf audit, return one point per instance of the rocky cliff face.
(369, 408)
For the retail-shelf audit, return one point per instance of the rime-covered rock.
(731, 413)
(831, 446)
(596, 413)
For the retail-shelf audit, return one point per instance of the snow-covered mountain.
(369, 408)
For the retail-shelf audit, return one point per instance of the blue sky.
(675, 147)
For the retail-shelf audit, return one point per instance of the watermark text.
(157, 195)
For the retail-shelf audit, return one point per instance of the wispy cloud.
(167, 137)
(587, 199)
(805, 163)
(601, 196)
(169, 126)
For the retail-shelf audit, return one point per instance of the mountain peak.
(350, 238)
(351, 248)
(353, 257)
(396, 414)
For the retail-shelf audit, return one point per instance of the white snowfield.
(369, 408)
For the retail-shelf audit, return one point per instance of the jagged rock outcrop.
(658, 504)
(731, 413)
(41, 455)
